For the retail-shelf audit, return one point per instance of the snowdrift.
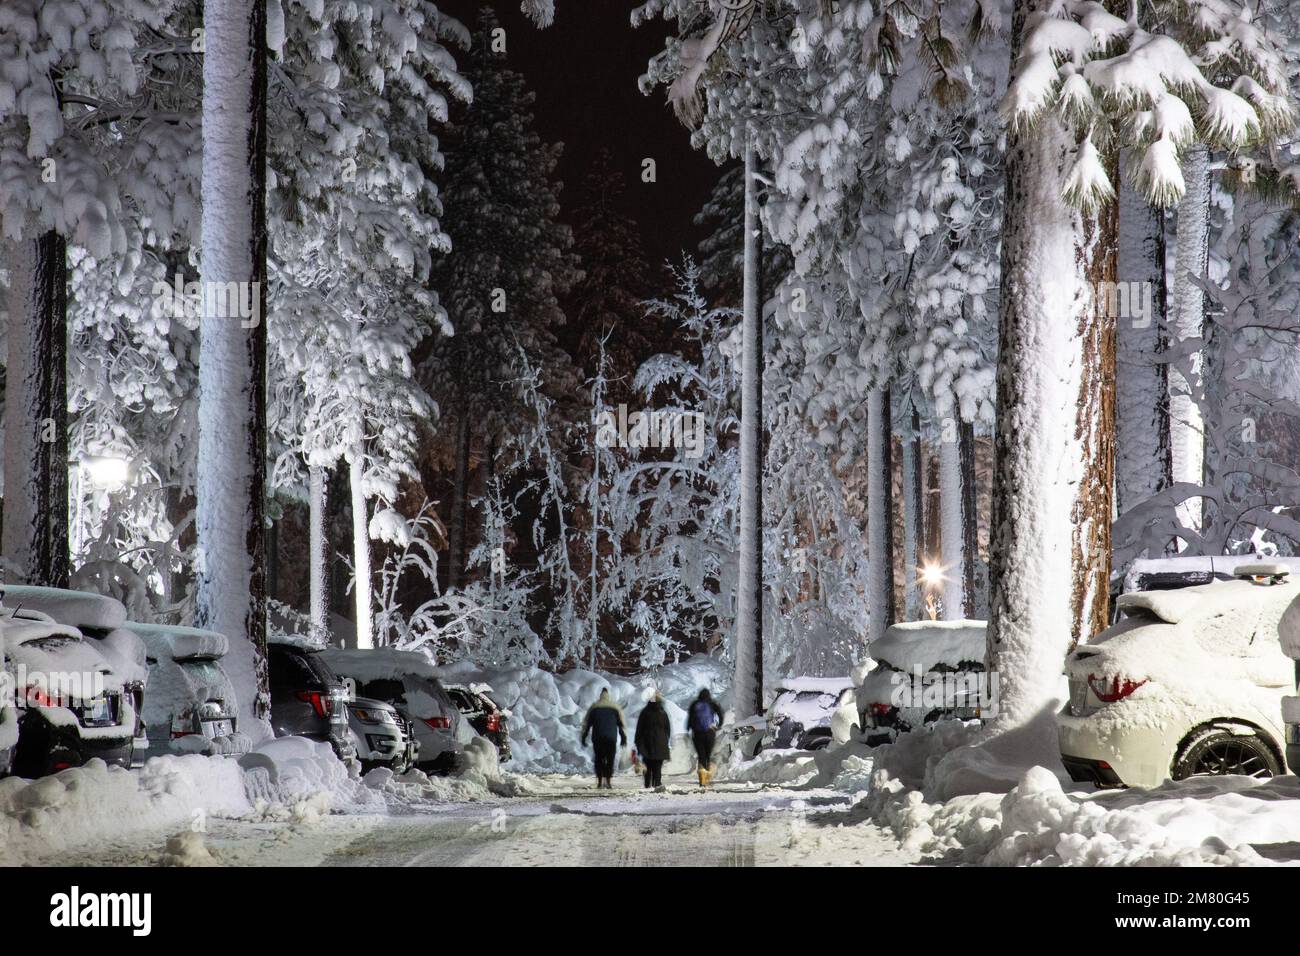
(546, 709)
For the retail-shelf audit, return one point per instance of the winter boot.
(704, 777)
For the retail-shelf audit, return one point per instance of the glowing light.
(931, 575)
(106, 471)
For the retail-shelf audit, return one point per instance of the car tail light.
(39, 696)
(879, 710)
(438, 723)
(319, 702)
(494, 723)
(1117, 689)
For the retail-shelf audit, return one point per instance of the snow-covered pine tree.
(1083, 81)
(71, 69)
(231, 471)
(510, 263)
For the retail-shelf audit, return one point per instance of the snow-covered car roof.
(817, 685)
(380, 663)
(77, 608)
(1202, 600)
(180, 643)
(924, 644)
(1211, 632)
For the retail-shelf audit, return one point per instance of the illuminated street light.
(105, 471)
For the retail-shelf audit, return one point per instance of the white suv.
(1186, 682)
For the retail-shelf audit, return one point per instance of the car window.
(390, 690)
(292, 668)
(1229, 632)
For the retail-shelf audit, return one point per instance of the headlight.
(369, 716)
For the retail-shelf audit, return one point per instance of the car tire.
(1219, 752)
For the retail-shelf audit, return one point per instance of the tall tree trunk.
(973, 607)
(361, 552)
(880, 514)
(913, 520)
(952, 533)
(1055, 420)
(747, 689)
(35, 525)
(317, 550)
(1187, 321)
(1143, 460)
(231, 473)
(459, 503)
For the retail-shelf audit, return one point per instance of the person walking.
(604, 724)
(702, 723)
(652, 732)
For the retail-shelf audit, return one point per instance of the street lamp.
(105, 471)
(102, 473)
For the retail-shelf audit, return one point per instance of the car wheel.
(1221, 753)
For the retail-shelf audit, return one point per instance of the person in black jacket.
(652, 732)
(604, 723)
(702, 722)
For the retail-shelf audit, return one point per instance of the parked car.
(489, 720)
(407, 681)
(382, 735)
(101, 619)
(800, 714)
(924, 671)
(307, 698)
(191, 705)
(1186, 682)
(71, 705)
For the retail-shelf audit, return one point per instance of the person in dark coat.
(652, 732)
(702, 723)
(604, 724)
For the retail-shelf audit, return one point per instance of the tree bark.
(913, 520)
(459, 503)
(1187, 321)
(952, 533)
(231, 473)
(317, 550)
(1055, 422)
(35, 527)
(880, 513)
(969, 521)
(1143, 457)
(361, 586)
(747, 690)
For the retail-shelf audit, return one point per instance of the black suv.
(307, 698)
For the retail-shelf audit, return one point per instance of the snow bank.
(547, 709)
(97, 804)
(284, 779)
(1224, 821)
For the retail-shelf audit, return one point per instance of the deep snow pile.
(1196, 822)
(547, 709)
(284, 779)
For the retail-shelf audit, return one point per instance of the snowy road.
(568, 824)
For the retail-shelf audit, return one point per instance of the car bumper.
(1141, 757)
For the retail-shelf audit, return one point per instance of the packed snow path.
(570, 823)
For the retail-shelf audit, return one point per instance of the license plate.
(216, 728)
(96, 711)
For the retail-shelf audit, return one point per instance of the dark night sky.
(584, 69)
